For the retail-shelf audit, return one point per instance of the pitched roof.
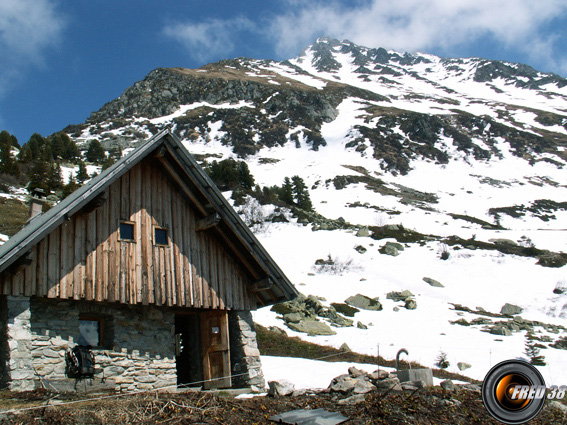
(205, 191)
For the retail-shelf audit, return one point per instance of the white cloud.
(27, 29)
(405, 25)
(209, 39)
(411, 25)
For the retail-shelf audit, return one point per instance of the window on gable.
(127, 231)
(160, 236)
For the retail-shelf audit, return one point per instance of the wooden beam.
(208, 222)
(183, 185)
(160, 152)
(261, 285)
(98, 201)
(24, 260)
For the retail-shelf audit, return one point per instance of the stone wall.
(137, 351)
(4, 348)
(19, 344)
(244, 354)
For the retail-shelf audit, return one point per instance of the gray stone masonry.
(244, 354)
(15, 347)
(137, 351)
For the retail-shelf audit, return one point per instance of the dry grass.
(13, 216)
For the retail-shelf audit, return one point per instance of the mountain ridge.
(289, 101)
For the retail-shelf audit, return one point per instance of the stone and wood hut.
(148, 264)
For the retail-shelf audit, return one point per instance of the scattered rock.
(471, 387)
(500, 330)
(360, 249)
(448, 385)
(292, 317)
(433, 282)
(280, 388)
(461, 322)
(363, 386)
(278, 330)
(345, 309)
(479, 321)
(389, 249)
(396, 245)
(413, 385)
(279, 218)
(311, 327)
(391, 383)
(411, 304)
(343, 384)
(463, 366)
(363, 232)
(355, 373)
(360, 325)
(552, 259)
(557, 406)
(344, 347)
(451, 403)
(510, 309)
(399, 296)
(378, 375)
(503, 242)
(349, 401)
(363, 302)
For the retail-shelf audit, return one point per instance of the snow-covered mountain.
(462, 158)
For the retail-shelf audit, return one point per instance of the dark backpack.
(80, 362)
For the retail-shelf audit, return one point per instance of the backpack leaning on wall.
(80, 362)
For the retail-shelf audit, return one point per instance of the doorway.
(188, 350)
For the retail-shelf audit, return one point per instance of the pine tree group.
(38, 162)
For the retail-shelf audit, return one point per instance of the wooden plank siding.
(85, 259)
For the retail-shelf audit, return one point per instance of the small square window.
(127, 231)
(90, 331)
(160, 236)
(95, 330)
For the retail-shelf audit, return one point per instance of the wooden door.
(216, 353)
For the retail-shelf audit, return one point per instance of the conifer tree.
(245, 179)
(107, 163)
(82, 174)
(57, 146)
(301, 194)
(39, 177)
(55, 181)
(95, 152)
(8, 164)
(532, 350)
(70, 187)
(71, 151)
(286, 194)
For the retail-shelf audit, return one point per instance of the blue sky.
(60, 60)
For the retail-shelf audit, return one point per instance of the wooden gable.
(85, 258)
